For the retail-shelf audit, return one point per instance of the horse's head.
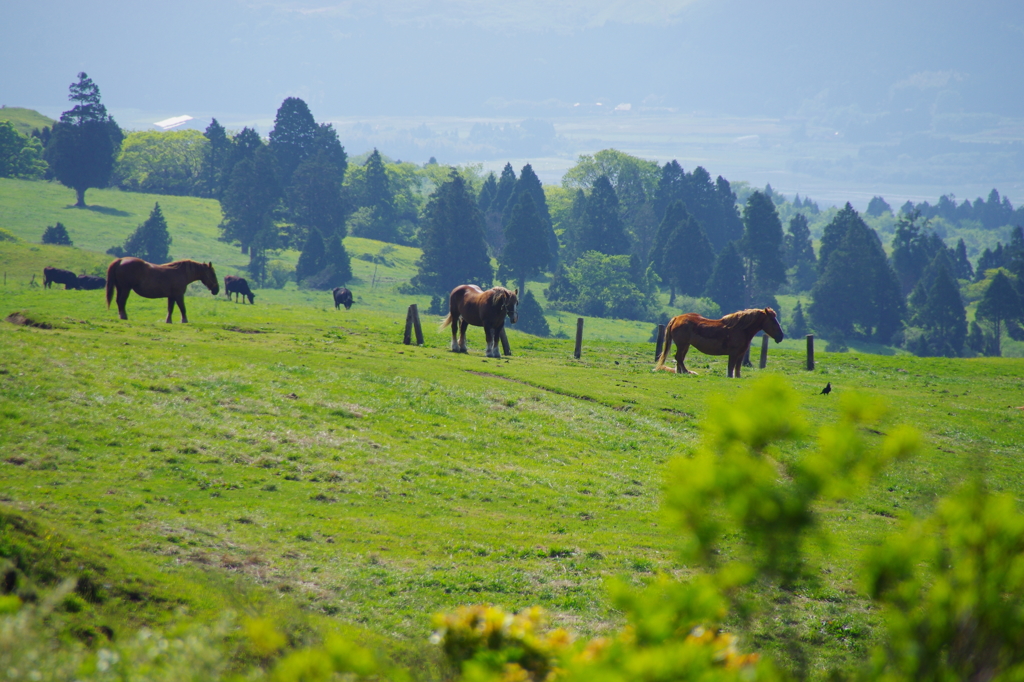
(771, 325)
(208, 277)
(509, 303)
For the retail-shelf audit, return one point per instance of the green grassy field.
(308, 453)
(290, 458)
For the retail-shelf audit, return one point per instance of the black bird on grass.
(827, 389)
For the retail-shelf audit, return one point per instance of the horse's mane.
(744, 318)
(500, 295)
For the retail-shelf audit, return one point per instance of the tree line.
(618, 231)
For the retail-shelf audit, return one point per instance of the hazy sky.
(480, 57)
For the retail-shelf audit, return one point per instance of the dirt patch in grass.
(21, 319)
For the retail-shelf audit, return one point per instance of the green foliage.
(293, 137)
(312, 260)
(57, 234)
(526, 250)
(858, 292)
(799, 254)
(20, 155)
(611, 164)
(159, 162)
(939, 310)
(452, 238)
(151, 241)
(1000, 304)
(315, 200)
(601, 227)
(682, 255)
(606, 287)
(531, 316)
(85, 142)
(762, 246)
(952, 587)
(529, 184)
(727, 285)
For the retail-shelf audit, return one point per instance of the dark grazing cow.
(342, 297)
(65, 277)
(89, 282)
(238, 285)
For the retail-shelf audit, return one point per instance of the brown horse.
(469, 305)
(730, 336)
(157, 281)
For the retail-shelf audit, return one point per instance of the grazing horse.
(342, 297)
(730, 336)
(469, 305)
(157, 281)
(238, 285)
(65, 277)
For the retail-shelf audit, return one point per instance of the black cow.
(89, 282)
(65, 277)
(238, 285)
(342, 297)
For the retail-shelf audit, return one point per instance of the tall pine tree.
(529, 183)
(452, 239)
(293, 137)
(315, 200)
(941, 312)
(999, 304)
(602, 228)
(151, 241)
(213, 177)
(762, 247)
(684, 259)
(526, 252)
(726, 286)
(84, 143)
(248, 203)
(799, 253)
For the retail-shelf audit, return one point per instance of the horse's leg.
(492, 342)
(122, 299)
(170, 308)
(181, 307)
(681, 350)
(455, 334)
(463, 324)
(735, 363)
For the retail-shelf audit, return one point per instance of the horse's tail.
(446, 321)
(668, 345)
(110, 280)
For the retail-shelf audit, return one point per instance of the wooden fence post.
(764, 351)
(661, 342)
(810, 352)
(746, 356)
(579, 338)
(414, 309)
(407, 340)
(505, 348)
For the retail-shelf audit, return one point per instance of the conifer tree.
(452, 239)
(378, 196)
(799, 254)
(313, 257)
(494, 212)
(857, 292)
(150, 241)
(671, 188)
(526, 252)
(247, 205)
(877, 206)
(572, 228)
(999, 304)
(215, 172)
(529, 183)
(487, 192)
(531, 316)
(315, 200)
(762, 246)
(602, 228)
(798, 325)
(726, 286)
(57, 234)
(685, 260)
(942, 313)
(84, 143)
(962, 266)
(913, 248)
(293, 137)
(337, 267)
(503, 192)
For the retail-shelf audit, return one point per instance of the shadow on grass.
(105, 210)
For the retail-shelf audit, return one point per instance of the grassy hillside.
(25, 120)
(307, 452)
